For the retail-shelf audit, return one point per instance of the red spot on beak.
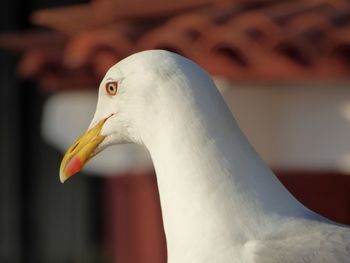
(73, 166)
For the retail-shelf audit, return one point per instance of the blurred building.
(282, 66)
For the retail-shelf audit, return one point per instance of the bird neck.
(214, 188)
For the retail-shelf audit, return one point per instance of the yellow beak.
(81, 151)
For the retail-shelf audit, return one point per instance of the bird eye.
(112, 87)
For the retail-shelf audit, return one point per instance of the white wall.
(291, 126)
(299, 126)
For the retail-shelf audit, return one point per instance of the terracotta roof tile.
(23, 41)
(245, 40)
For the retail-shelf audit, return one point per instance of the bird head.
(111, 121)
(126, 101)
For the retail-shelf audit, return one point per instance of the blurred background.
(283, 67)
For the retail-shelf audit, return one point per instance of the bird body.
(220, 202)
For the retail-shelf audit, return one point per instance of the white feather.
(220, 202)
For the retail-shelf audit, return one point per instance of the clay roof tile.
(252, 40)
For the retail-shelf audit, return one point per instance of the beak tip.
(71, 168)
(63, 178)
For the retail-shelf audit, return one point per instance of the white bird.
(220, 202)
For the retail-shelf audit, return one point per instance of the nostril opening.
(232, 53)
(74, 147)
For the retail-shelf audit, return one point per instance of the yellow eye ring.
(112, 88)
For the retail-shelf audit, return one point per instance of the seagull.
(220, 202)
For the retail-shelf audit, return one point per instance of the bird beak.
(81, 151)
